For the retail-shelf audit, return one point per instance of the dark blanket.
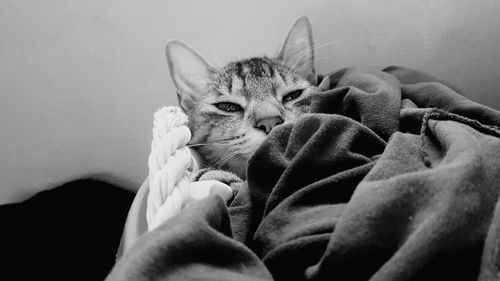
(70, 232)
(393, 175)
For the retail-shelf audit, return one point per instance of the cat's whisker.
(319, 46)
(219, 163)
(292, 68)
(200, 144)
(311, 59)
(219, 141)
(297, 47)
(235, 164)
(316, 59)
(226, 158)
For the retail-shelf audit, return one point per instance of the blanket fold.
(369, 185)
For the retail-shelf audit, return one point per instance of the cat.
(232, 109)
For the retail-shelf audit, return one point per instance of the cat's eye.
(228, 106)
(292, 95)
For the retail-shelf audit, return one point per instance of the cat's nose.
(268, 123)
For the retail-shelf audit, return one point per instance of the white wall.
(80, 80)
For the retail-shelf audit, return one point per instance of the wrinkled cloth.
(393, 175)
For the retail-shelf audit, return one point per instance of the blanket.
(393, 175)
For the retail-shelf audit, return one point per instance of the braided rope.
(170, 163)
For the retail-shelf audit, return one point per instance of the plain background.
(80, 80)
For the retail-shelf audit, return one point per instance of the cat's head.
(243, 101)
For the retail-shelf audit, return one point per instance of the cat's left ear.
(297, 51)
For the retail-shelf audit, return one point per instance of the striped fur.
(258, 87)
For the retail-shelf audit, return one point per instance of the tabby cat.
(232, 109)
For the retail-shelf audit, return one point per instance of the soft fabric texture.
(373, 184)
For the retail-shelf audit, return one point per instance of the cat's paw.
(225, 177)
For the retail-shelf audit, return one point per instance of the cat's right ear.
(190, 73)
(297, 51)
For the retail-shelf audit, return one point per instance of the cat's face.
(232, 109)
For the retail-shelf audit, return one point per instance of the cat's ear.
(297, 51)
(189, 71)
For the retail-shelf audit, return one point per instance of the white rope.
(170, 163)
